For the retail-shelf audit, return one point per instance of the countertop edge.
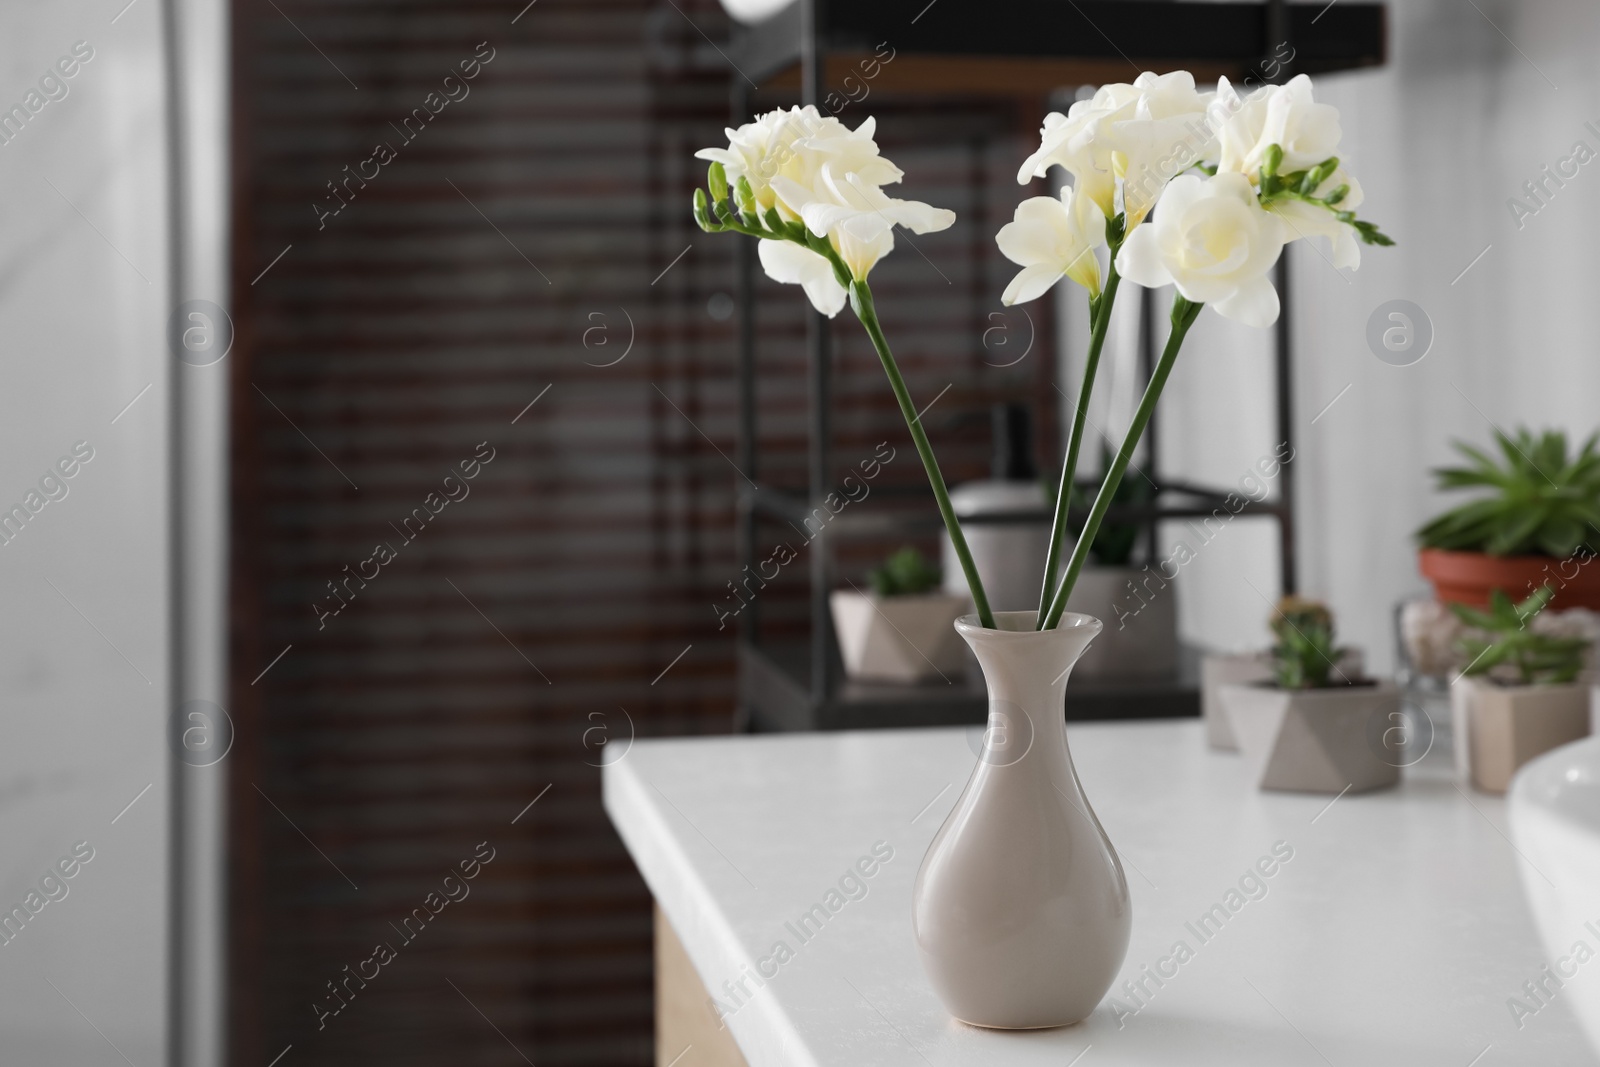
(763, 1032)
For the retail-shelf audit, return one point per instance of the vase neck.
(1026, 672)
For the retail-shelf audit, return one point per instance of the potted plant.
(1520, 694)
(903, 630)
(1540, 525)
(1197, 190)
(1140, 639)
(1312, 728)
(1222, 669)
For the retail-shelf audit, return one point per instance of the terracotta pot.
(1468, 577)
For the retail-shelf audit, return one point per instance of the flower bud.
(717, 179)
(701, 214)
(747, 199)
(1318, 174)
(1271, 160)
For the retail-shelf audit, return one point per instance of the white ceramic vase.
(1021, 910)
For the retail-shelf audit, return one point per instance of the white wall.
(1440, 139)
(82, 318)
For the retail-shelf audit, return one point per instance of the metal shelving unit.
(1006, 48)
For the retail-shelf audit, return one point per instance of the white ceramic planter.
(1020, 909)
(1555, 821)
(1140, 639)
(1219, 671)
(1010, 556)
(1315, 740)
(1498, 728)
(898, 638)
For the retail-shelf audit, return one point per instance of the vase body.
(1020, 909)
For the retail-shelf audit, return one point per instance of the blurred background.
(451, 302)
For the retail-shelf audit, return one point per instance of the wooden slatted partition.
(424, 649)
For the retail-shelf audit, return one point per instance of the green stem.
(1100, 318)
(861, 301)
(1184, 313)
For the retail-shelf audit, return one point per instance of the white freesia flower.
(1212, 239)
(815, 170)
(1076, 142)
(1144, 133)
(1165, 134)
(1308, 134)
(858, 218)
(1282, 115)
(1051, 239)
(837, 198)
(1313, 220)
(792, 150)
(861, 240)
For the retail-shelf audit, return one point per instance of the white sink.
(1555, 818)
(753, 11)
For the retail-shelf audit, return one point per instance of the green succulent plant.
(1305, 652)
(904, 573)
(1537, 659)
(1543, 504)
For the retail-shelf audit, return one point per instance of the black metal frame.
(778, 691)
(1158, 34)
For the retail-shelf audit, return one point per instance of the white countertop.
(1394, 935)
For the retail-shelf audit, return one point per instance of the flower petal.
(821, 217)
(787, 262)
(1255, 303)
(1030, 284)
(1139, 259)
(1301, 219)
(1036, 232)
(861, 241)
(918, 217)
